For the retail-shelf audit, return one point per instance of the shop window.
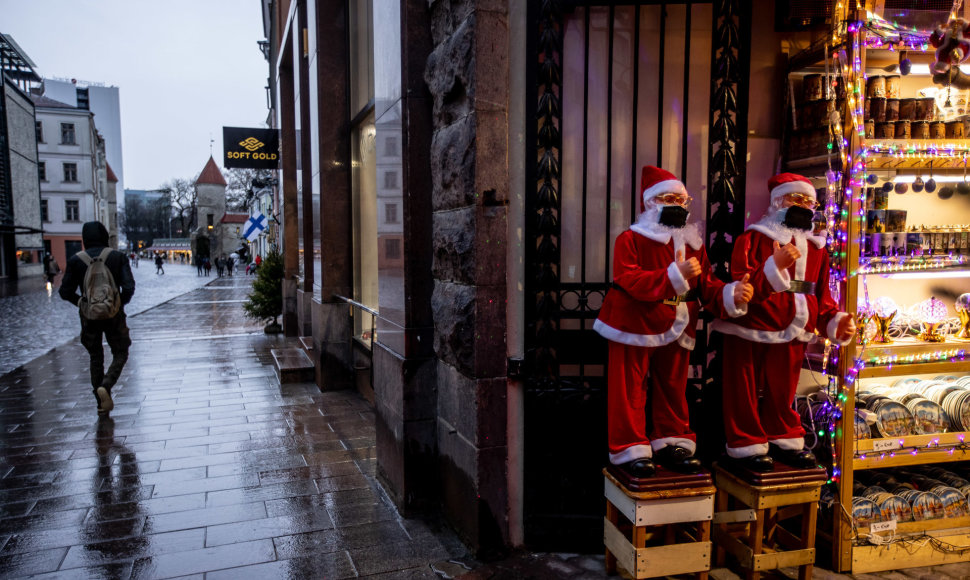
(70, 172)
(364, 174)
(72, 210)
(67, 134)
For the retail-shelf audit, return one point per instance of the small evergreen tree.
(266, 299)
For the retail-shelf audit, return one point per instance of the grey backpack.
(100, 299)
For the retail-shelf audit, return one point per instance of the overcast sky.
(184, 69)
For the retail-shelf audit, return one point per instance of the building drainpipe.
(515, 289)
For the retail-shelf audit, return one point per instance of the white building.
(73, 176)
(105, 103)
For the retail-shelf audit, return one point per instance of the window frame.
(68, 207)
(42, 171)
(45, 214)
(39, 128)
(66, 166)
(68, 129)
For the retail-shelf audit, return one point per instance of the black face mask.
(673, 216)
(798, 218)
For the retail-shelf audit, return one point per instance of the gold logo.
(251, 144)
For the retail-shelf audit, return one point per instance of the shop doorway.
(616, 87)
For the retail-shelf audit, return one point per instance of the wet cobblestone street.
(32, 321)
(207, 465)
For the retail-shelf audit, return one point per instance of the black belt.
(801, 287)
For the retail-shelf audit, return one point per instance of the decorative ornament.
(887, 187)
(918, 184)
(930, 185)
(863, 315)
(901, 188)
(963, 188)
(872, 179)
(905, 65)
(946, 192)
(932, 313)
(952, 48)
(884, 310)
(962, 307)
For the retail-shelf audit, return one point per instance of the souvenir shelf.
(829, 131)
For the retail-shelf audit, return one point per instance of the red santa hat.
(655, 181)
(785, 183)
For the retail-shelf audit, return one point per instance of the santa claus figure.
(789, 268)
(661, 276)
(952, 44)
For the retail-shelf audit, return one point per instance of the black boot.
(638, 468)
(678, 459)
(758, 463)
(797, 458)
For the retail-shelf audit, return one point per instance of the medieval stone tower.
(211, 203)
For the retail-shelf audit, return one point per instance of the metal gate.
(616, 87)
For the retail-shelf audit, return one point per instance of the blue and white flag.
(254, 226)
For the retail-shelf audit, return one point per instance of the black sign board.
(250, 148)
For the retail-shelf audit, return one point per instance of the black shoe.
(797, 458)
(678, 459)
(759, 463)
(638, 468)
(105, 404)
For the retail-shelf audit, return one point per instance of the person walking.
(51, 268)
(199, 266)
(207, 265)
(158, 265)
(230, 264)
(101, 306)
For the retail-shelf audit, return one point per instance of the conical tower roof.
(211, 174)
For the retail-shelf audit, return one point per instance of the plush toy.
(952, 47)
(951, 43)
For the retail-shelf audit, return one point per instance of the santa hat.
(655, 181)
(785, 183)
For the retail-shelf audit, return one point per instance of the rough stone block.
(453, 157)
(454, 338)
(450, 74)
(453, 240)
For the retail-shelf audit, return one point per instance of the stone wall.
(24, 181)
(470, 190)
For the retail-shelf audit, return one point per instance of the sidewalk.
(207, 464)
(209, 468)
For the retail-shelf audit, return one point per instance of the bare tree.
(239, 186)
(184, 198)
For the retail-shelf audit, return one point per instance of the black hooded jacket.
(95, 239)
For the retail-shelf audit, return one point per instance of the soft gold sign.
(250, 148)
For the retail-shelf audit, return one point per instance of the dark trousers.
(115, 331)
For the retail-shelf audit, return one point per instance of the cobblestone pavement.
(209, 468)
(32, 321)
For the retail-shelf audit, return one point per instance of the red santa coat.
(775, 330)
(649, 337)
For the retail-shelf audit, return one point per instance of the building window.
(40, 131)
(44, 216)
(390, 213)
(70, 172)
(67, 134)
(390, 180)
(42, 170)
(209, 221)
(390, 147)
(392, 248)
(72, 210)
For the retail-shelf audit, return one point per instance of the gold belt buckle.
(675, 301)
(801, 287)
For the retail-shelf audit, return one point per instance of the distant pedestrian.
(98, 298)
(259, 260)
(199, 266)
(51, 268)
(220, 266)
(230, 264)
(207, 265)
(158, 265)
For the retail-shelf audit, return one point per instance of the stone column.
(470, 187)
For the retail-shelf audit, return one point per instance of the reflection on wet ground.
(207, 465)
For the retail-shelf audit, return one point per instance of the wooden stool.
(661, 510)
(752, 534)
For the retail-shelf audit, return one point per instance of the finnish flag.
(254, 226)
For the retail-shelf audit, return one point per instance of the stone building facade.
(21, 161)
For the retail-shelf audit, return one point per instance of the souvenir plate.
(954, 502)
(927, 506)
(892, 419)
(928, 417)
(896, 508)
(863, 511)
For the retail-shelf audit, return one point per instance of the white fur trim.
(686, 342)
(687, 444)
(780, 280)
(792, 444)
(677, 279)
(631, 453)
(669, 186)
(795, 330)
(650, 340)
(782, 234)
(688, 234)
(747, 450)
(802, 262)
(793, 187)
(733, 309)
(833, 326)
